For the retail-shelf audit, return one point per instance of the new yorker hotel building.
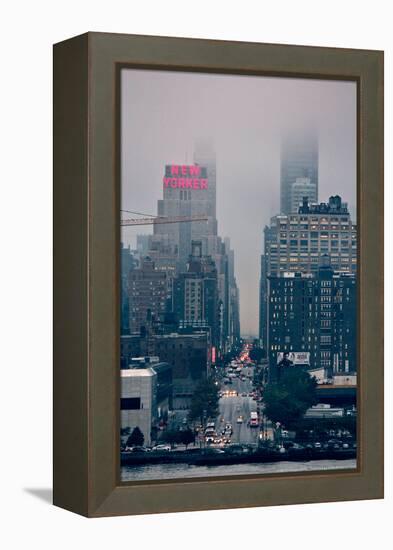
(186, 192)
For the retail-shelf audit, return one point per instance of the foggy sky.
(164, 113)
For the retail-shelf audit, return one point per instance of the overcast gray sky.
(164, 113)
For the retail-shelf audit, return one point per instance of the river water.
(173, 471)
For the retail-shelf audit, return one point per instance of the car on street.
(139, 449)
(254, 421)
(237, 448)
(239, 419)
(333, 444)
(296, 446)
(161, 447)
(215, 450)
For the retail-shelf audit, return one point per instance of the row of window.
(274, 268)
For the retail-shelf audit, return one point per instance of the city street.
(234, 407)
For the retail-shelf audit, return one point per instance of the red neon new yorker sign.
(185, 177)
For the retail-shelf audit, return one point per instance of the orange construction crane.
(152, 220)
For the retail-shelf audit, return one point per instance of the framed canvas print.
(218, 259)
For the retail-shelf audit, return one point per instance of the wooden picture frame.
(86, 273)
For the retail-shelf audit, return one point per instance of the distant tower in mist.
(205, 155)
(299, 159)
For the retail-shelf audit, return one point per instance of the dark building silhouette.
(314, 313)
(195, 294)
(147, 291)
(127, 264)
(130, 346)
(188, 354)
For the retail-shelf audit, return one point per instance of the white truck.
(254, 419)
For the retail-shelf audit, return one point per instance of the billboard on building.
(295, 357)
(185, 176)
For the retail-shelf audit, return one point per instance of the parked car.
(138, 449)
(161, 447)
(214, 450)
(239, 449)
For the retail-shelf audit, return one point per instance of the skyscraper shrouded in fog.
(186, 193)
(190, 191)
(303, 188)
(299, 159)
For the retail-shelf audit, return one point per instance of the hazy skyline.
(164, 113)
